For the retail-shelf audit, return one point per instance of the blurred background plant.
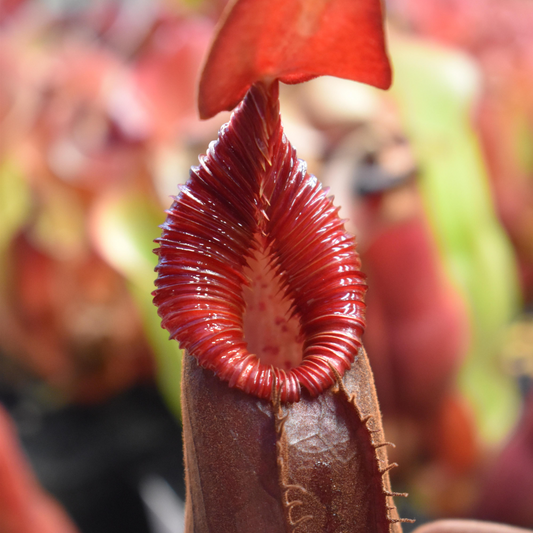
(98, 124)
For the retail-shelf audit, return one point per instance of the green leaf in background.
(523, 143)
(15, 207)
(124, 226)
(434, 89)
(14, 201)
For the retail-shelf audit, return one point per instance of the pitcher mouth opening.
(271, 326)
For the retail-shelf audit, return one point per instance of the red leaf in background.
(424, 318)
(293, 41)
(507, 492)
(467, 526)
(166, 72)
(24, 506)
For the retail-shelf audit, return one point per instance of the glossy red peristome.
(252, 202)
